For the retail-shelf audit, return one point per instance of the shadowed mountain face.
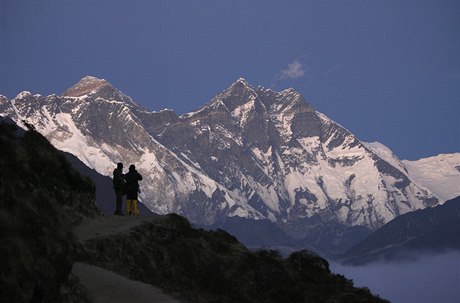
(427, 231)
(43, 202)
(249, 152)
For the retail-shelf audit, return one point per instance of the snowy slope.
(441, 174)
(386, 154)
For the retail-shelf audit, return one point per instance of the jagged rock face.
(4, 104)
(291, 162)
(249, 152)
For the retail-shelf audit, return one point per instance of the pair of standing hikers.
(126, 184)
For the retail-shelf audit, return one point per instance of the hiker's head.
(132, 167)
(120, 165)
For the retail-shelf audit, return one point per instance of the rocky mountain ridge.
(425, 231)
(249, 152)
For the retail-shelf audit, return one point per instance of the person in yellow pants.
(132, 207)
(132, 188)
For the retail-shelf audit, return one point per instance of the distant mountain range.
(250, 153)
(427, 231)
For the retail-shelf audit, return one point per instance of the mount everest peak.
(94, 88)
(86, 86)
(248, 152)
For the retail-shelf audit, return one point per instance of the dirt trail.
(108, 287)
(104, 286)
(109, 225)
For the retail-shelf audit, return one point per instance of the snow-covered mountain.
(249, 152)
(102, 126)
(441, 174)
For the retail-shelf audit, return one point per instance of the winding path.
(104, 286)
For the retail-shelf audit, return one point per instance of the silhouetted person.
(132, 188)
(119, 187)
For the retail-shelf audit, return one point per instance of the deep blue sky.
(387, 70)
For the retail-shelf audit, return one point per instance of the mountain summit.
(86, 86)
(90, 86)
(249, 152)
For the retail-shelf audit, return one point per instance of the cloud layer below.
(428, 279)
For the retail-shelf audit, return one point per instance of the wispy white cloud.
(293, 71)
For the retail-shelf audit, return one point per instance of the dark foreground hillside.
(43, 199)
(212, 266)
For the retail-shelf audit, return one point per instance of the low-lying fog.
(427, 279)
